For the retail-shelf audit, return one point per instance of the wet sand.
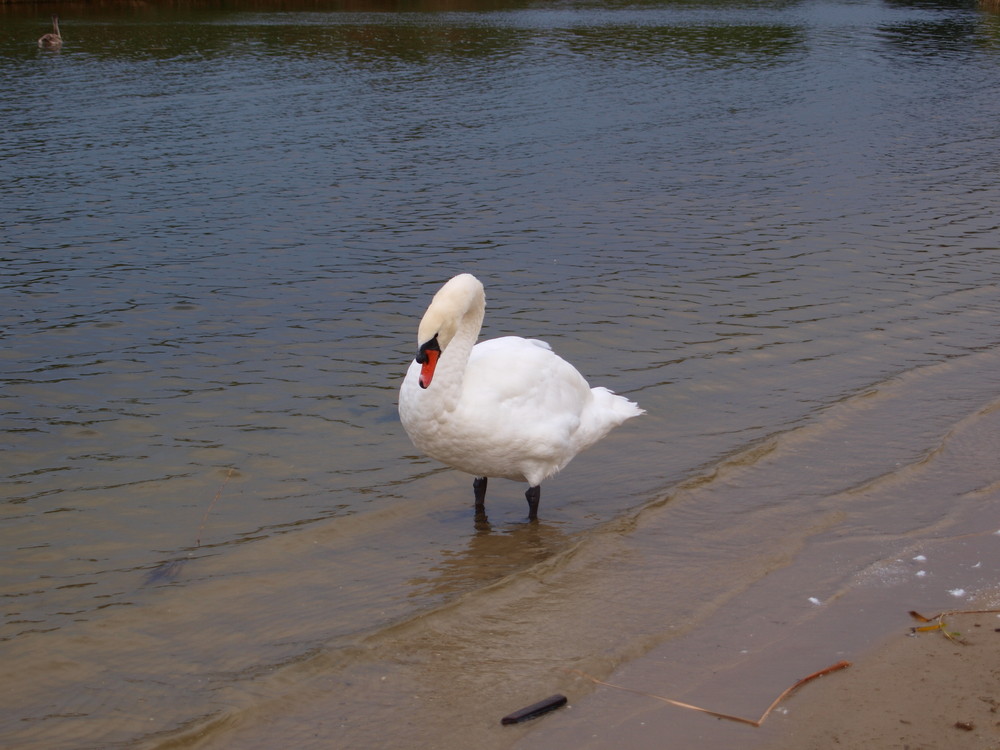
(922, 691)
(914, 691)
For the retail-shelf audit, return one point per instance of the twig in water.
(208, 510)
(834, 668)
(168, 571)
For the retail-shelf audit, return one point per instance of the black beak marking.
(431, 345)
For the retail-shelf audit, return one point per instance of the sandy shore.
(921, 692)
(904, 690)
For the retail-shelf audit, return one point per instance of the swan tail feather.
(617, 408)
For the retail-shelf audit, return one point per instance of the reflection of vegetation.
(944, 35)
(406, 42)
(229, 7)
(684, 5)
(406, 38)
(423, 31)
(172, 30)
(930, 4)
(931, 38)
(718, 44)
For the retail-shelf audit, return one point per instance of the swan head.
(452, 304)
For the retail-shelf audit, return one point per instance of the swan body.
(507, 407)
(53, 40)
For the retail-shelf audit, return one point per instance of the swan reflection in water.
(53, 40)
(489, 555)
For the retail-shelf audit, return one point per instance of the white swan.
(507, 407)
(53, 40)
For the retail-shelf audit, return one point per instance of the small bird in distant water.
(53, 40)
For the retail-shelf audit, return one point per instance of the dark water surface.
(773, 224)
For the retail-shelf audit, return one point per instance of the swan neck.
(455, 357)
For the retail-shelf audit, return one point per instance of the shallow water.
(771, 224)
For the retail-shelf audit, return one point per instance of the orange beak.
(427, 358)
(427, 366)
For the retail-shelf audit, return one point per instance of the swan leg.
(533, 495)
(479, 488)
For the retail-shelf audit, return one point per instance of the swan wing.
(525, 380)
(523, 406)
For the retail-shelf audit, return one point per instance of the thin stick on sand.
(938, 623)
(717, 714)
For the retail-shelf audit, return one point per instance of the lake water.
(772, 224)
